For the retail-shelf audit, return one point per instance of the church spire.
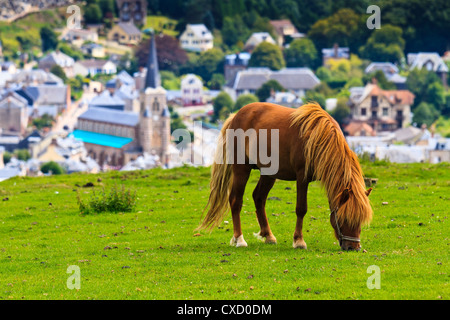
(152, 79)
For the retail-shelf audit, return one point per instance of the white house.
(191, 90)
(59, 58)
(196, 37)
(257, 38)
(92, 67)
(79, 36)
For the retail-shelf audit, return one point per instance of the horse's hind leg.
(260, 194)
(302, 191)
(241, 173)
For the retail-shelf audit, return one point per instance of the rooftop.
(101, 139)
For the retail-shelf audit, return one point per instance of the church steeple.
(152, 79)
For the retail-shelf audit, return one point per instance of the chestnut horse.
(311, 147)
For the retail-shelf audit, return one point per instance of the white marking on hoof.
(299, 244)
(269, 239)
(258, 236)
(238, 242)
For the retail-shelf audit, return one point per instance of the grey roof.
(111, 116)
(59, 58)
(36, 75)
(106, 100)
(289, 78)
(421, 59)
(129, 28)
(387, 67)
(339, 52)
(48, 94)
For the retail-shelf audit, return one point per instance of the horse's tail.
(220, 185)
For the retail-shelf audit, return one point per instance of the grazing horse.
(311, 147)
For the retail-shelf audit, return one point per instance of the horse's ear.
(368, 191)
(345, 195)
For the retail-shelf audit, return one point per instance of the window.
(374, 101)
(363, 111)
(385, 112)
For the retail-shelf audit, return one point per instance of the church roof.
(101, 139)
(111, 116)
(152, 78)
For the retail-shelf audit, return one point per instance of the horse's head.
(347, 218)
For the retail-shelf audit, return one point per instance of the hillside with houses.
(109, 91)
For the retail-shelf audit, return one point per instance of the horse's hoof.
(269, 239)
(299, 244)
(238, 242)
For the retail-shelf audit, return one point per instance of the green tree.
(342, 111)
(59, 72)
(49, 39)
(385, 44)
(313, 96)
(381, 79)
(210, 62)
(243, 100)
(267, 55)
(6, 157)
(343, 27)
(264, 92)
(216, 82)
(425, 113)
(52, 167)
(222, 104)
(436, 95)
(22, 154)
(419, 82)
(93, 13)
(301, 53)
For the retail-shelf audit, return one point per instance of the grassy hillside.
(152, 253)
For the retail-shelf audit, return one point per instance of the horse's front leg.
(302, 207)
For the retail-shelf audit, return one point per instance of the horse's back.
(262, 115)
(268, 116)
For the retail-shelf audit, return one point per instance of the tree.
(313, 96)
(264, 92)
(385, 44)
(381, 80)
(301, 53)
(343, 28)
(419, 82)
(49, 39)
(170, 55)
(210, 62)
(342, 111)
(243, 100)
(222, 104)
(267, 55)
(93, 13)
(425, 113)
(52, 167)
(59, 72)
(216, 82)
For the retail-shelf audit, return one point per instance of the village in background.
(108, 93)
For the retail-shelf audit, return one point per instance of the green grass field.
(152, 253)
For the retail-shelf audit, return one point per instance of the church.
(113, 136)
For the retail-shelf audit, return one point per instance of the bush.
(52, 167)
(118, 199)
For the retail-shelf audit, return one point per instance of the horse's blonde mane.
(330, 160)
